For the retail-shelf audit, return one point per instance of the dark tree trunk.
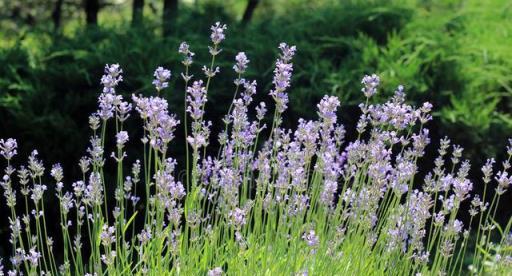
(137, 12)
(92, 8)
(169, 16)
(249, 11)
(57, 14)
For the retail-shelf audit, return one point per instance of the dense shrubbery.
(293, 201)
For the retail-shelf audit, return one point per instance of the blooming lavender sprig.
(108, 100)
(311, 239)
(217, 35)
(217, 271)
(282, 76)
(241, 63)
(161, 75)
(121, 138)
(8, 148)
(188, 55)
(111, 78)
(327, 109)
(370, 83)
(196, 99)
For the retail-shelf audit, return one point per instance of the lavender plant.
(296, 202)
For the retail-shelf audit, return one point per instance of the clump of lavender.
(301, 200)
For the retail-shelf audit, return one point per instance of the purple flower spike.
(161, 76)
(370, 85)
(8, 148)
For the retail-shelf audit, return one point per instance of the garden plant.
(270, 201)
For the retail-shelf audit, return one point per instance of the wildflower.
(96, 152)
(33, 256)
(123, 109)
(311, 238)
(287, 52)
(504, 181)
(184, 49)
(94, 190)
(37, 192)
(107, 105)
(111, 78)
(121, 138)
(161, 76)
(370, 85)
(94, 122)
(282, 75)
(35, 165)
(108, 259)
(196, 98)
(66, 202)
(261, 109)
(144, 236)
(107, 235)
(241, 63)
(210, 73)
(56, 172)
(217, 35)
(327, 109)
(8, 148)
(457, 153)
(215, 272)
(237, 217)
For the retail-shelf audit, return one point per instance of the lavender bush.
(297, 202)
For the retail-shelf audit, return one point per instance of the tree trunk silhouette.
(57, 14)
(137, 12)
(249, 11)
(92, 8)
(169, 16)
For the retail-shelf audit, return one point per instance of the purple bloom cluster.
(370, 84)
(282, 76)
(8, 148)
(161, 75)
(241, 63)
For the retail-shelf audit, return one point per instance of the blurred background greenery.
(457, 54)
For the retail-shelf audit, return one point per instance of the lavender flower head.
(217, 35)
(282, 76)
(237, 217)
(121, 138)
(33, 256)
(184, 49)
(111, 78)
(241, 63)
(161, 76)
(215, 272)
(327, 108)
(287, 52)
(56, 172)
(370, 85)
(311, 238)
(196, 99)
(8, 148)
